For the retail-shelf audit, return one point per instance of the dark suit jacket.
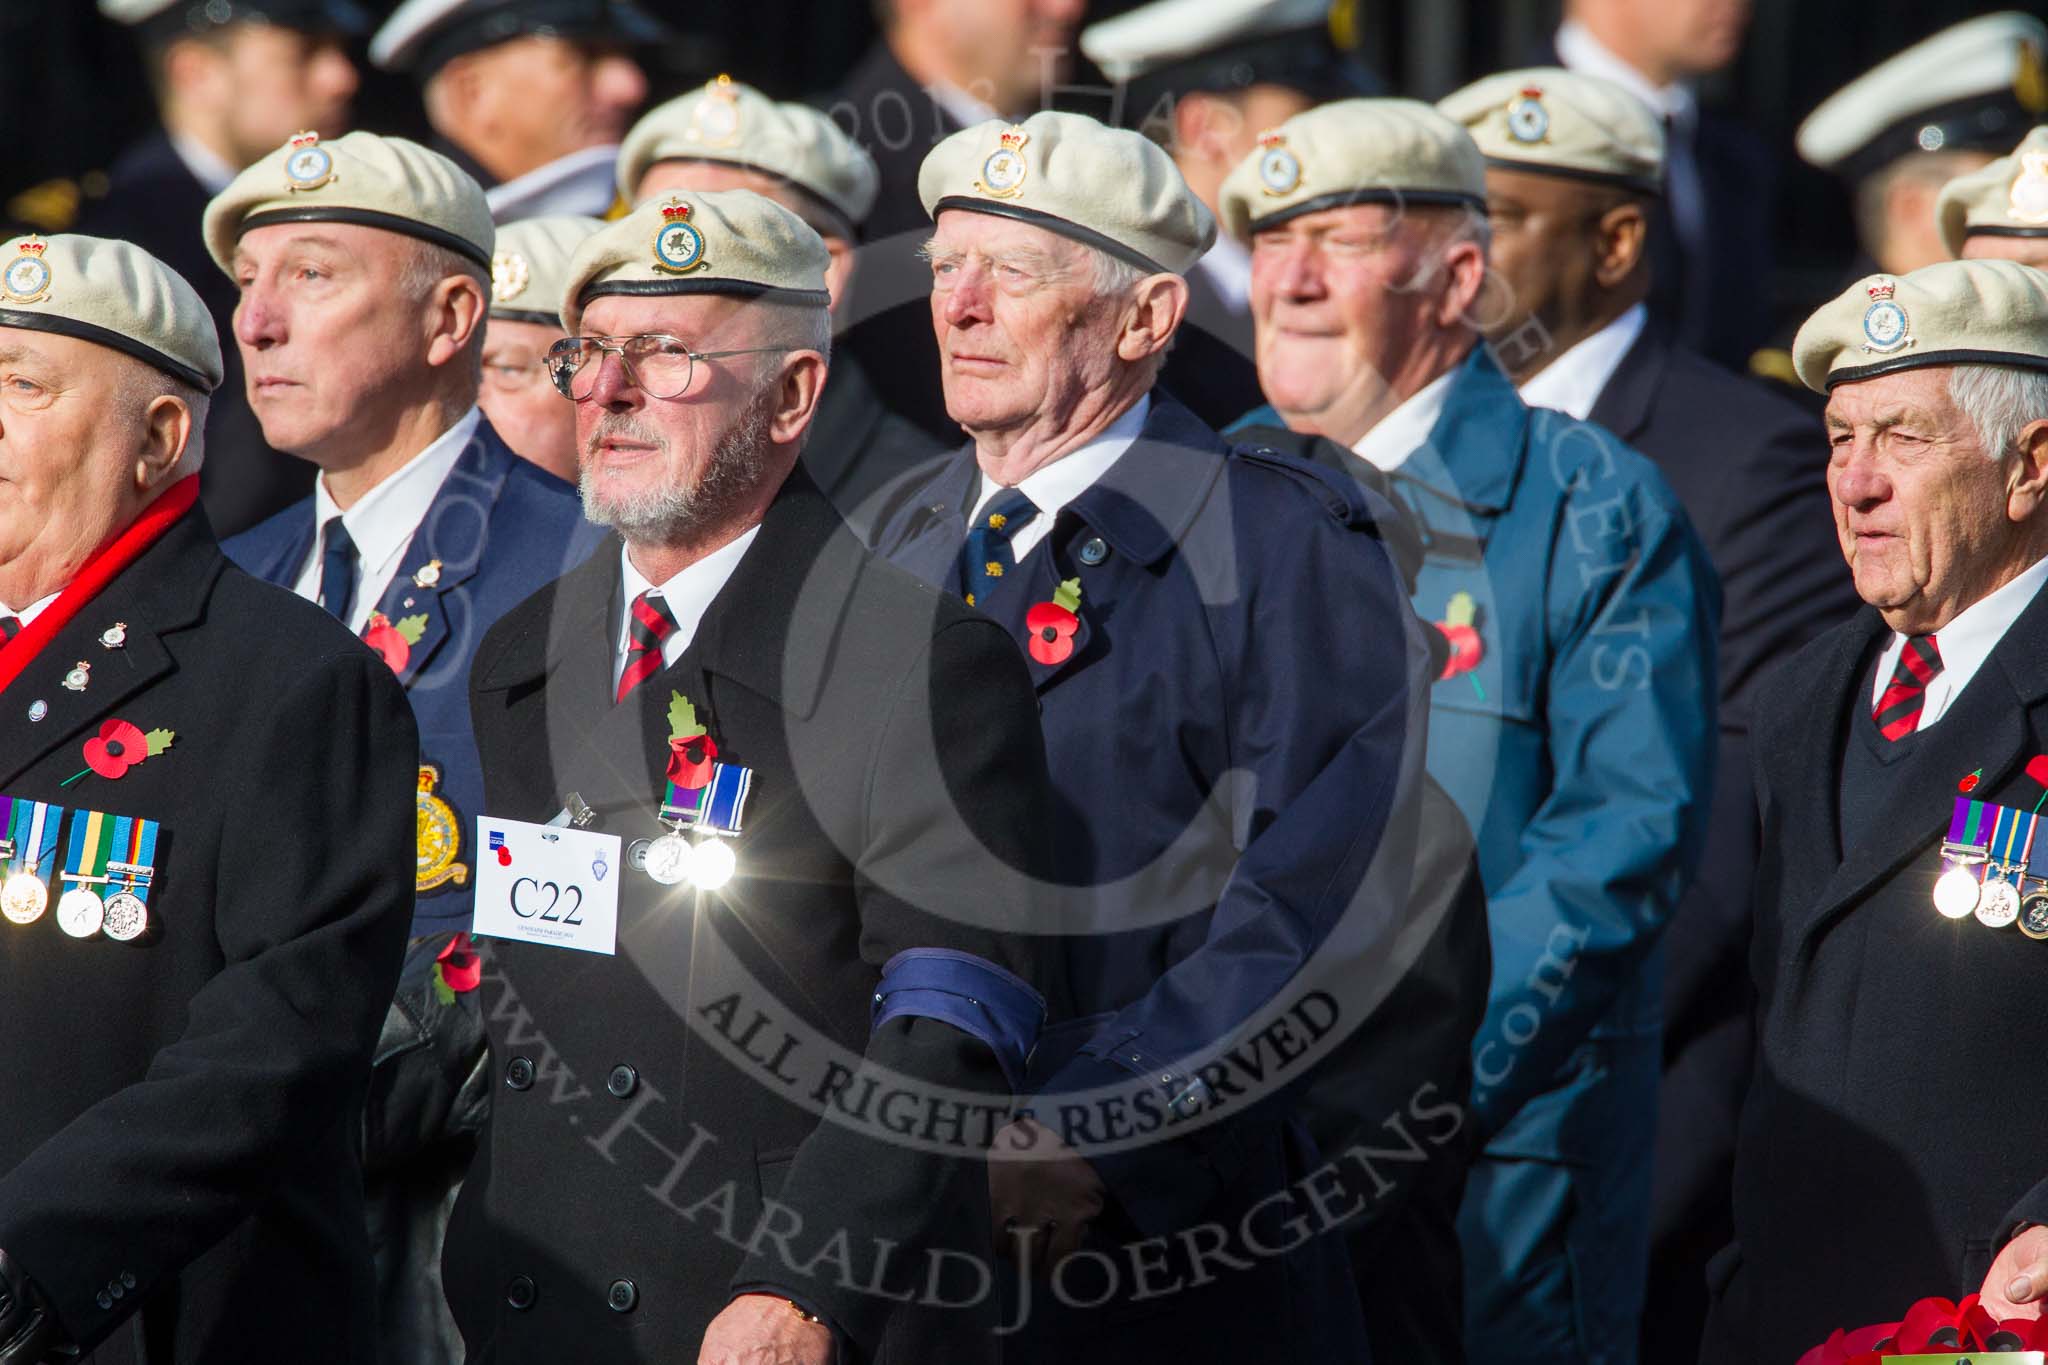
(857, 446)
(1893, 1127)
(184, 1109)
(501, 528)
(899, 781)
(153, 201)
(887, 323)
(1211, 367)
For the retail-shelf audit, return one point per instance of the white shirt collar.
(960, 106)
(1228, 264)
(688, 595)
(29, 613)
(581, 182)
(1573, 382)
(208, 167)
(1965, 643)
(1055, 485)
(1579, 50)
(383, 520)
(1401, 432)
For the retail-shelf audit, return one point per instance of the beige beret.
(716, 242)
(2008, 198)
(381, 182)
(530, 269)
(1376, 151)
(1111, 189)
(1952, 313)
(112, 293)
(736, 124)
(1559, 122)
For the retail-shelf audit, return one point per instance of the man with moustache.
(876, 889)
(363, 271)
(204, 900)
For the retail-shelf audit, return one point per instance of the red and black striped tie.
(648, 624)
(1898, 710)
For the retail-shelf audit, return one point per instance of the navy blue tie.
(987, 556)
(338, 571)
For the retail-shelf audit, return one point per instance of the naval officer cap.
(530, 269)
(158, 22)
(114, 294)
(2008, 198)
(1108, 188)
(361, 178)
(1951, 313)
(1160, 51)
(735, 124)
(422, 36)
(733, 242)
(1379, 151)
(1974, 86)
(1556, 122)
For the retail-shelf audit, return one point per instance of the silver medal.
(1999, 905)
(127, 917)
(668, 859)
(80, 912)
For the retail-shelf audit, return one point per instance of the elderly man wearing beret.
(831, 791)
(729, 136)
(204, 902)
(518, 398)
(1231, 683)
(1574, 724)
(1891, 1140)
(363, 267)
(2000, 210)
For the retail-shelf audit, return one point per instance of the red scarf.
(104, 567)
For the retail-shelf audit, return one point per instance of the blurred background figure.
(938, 66)
(529, 272)
(1710, 239)
(2002, 209)
(530, 97)
(729, 136)
(233, 79)
(1203, 78)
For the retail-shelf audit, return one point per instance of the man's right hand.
(1042, 1194)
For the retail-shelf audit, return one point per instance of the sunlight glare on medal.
(712, 865)
(1955, 895)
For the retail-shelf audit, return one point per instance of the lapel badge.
(429, 574)
(1528, 120)
(1002, 175)
(77, 678)
(510, 274)
(2029, 199)
(715, 122)
(37, 709)
(1460, 628)
(394, 641)
(27, 277)
(308, 165)
(1969, 783)
(1051, 625)
(114, 636)
(1279, 169)
(678, 245)
(1885, 328)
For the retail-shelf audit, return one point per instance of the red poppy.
(458, 965)
(2037, 768)
(1931, 1326)
(1051, 630)
(119, 747)
(380, 635)
(1969, 783)
(690, 761)
(1466, 649)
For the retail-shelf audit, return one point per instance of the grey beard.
(677, 513)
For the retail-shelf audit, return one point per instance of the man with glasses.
(363, 267)
(659, 1189)
(518, 398)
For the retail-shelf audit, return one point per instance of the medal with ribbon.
(80, 911)
(132, 870)
(1990, 856)
(700, 795)
(32, 829)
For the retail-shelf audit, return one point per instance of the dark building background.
(72, 91)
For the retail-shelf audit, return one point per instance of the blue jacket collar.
(1475, 451)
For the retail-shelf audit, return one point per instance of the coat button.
(623, 1081)
(1093, 551)
(622, 1297)
(521, 1292)
(519, 1073)
(128, 1278)
(115, 1288)
(104, 1299)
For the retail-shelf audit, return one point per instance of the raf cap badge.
(1002, 175)
(1528, 120)
(1885, 328)
(678, 245)
(715, 122)
(510, 274)
(309, 165)
(77, 678)
(27, 277)
(2029, 198)
(1279, 169)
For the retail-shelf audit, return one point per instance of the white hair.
(1999, 400)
